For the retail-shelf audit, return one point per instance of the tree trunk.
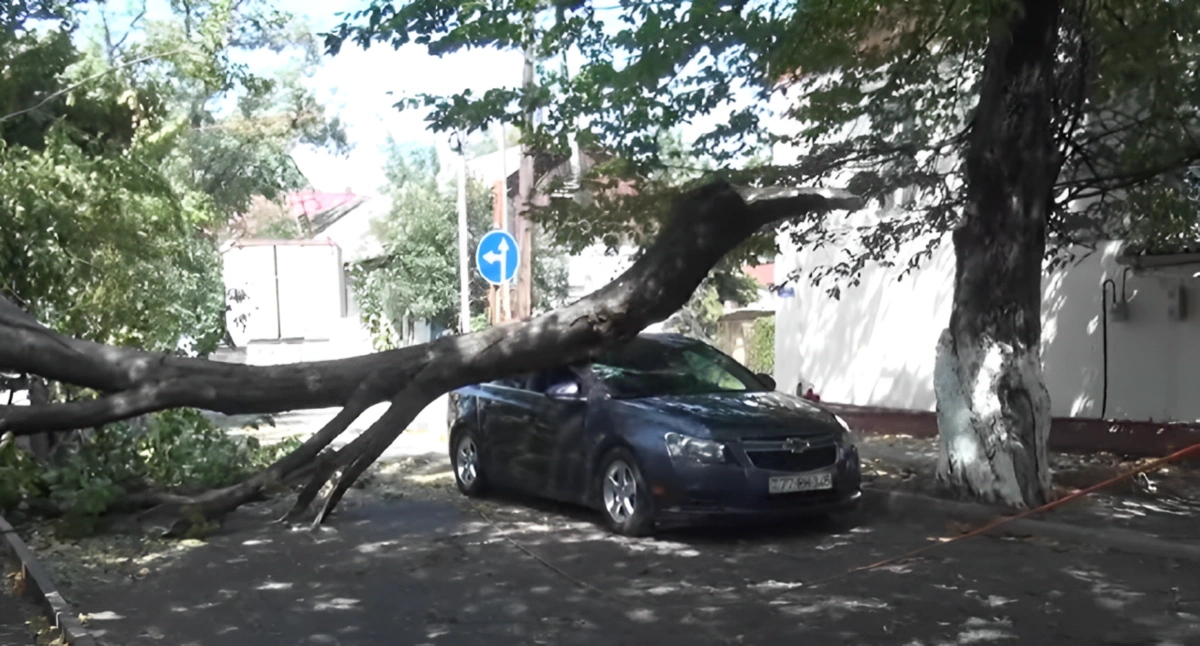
(993, 407)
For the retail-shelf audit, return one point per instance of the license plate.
(792, 484)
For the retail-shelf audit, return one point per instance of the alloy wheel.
(466, 463)
(620, 491)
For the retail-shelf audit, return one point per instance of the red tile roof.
(764, 274)
(311, 203)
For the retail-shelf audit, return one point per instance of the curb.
(907, 505)
(1067, 434)
(40, 589)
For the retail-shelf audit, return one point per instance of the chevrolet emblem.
(796, 445)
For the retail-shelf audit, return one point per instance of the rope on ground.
(1150, 466)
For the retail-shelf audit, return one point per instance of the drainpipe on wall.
(1119, 307)
(1104, 339)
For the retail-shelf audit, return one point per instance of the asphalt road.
(430, 569)
(13, 631)
(14, 613)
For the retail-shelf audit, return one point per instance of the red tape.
(1195, 448)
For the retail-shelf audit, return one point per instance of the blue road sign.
(497, 257)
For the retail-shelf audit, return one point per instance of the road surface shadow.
(435, 571)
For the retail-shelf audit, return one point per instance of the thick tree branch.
(708, 222)
(27, 420)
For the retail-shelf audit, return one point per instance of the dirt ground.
(1164, 502)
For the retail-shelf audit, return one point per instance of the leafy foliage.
(725, 284)
(417, 279)
(761, 346)
(100, 249)
(118, 174)
(874, 96)
(177, 450)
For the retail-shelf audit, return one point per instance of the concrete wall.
(735, 334)
(594, 268)
(875, 346)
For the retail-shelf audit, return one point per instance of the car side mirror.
(566, 390)
(767, 380)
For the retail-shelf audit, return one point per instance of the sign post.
(497, 257)
(464, 314)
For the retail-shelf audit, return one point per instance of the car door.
(504, 419)
(558, 446)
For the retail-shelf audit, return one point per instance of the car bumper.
(689, 514)
(691, 492)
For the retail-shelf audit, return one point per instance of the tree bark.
(708, 222)
(993, 407)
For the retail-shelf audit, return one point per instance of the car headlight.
(847, 437)
(686, 447)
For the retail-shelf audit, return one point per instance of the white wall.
(594, 268)
(875, 346)
(293, 308)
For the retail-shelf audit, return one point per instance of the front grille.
(817, 457)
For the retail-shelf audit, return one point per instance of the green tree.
(881, 98)
(95, 241)
(417, 278)
(230, 127)
(119, 175)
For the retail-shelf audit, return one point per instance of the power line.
(76, 86)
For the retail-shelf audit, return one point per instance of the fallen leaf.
(18, 582)
(957, 527)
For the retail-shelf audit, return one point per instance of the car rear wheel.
(624, 496)
(468, 468)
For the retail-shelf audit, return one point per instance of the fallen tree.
(706, 223)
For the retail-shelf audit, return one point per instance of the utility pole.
(522, 228)
(505, 291)
(464, 279)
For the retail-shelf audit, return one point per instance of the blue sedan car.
(663, 430)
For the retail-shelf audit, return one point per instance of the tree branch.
(708, 222)
(75, 86)
(28, 420)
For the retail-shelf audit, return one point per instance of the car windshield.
(648, 368)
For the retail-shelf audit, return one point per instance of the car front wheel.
(468, 468)
(624, 496)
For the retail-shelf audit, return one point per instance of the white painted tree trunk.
(993, 421)
(993, 406)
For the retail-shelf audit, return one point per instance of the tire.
(470, 479)
(635, 517)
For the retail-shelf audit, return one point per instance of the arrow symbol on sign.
(500, 257)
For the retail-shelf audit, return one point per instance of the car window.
(557, 379)
(516, 381)
(646, 368)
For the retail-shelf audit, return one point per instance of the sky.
(362, 87)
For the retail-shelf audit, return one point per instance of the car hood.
(733, 416)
